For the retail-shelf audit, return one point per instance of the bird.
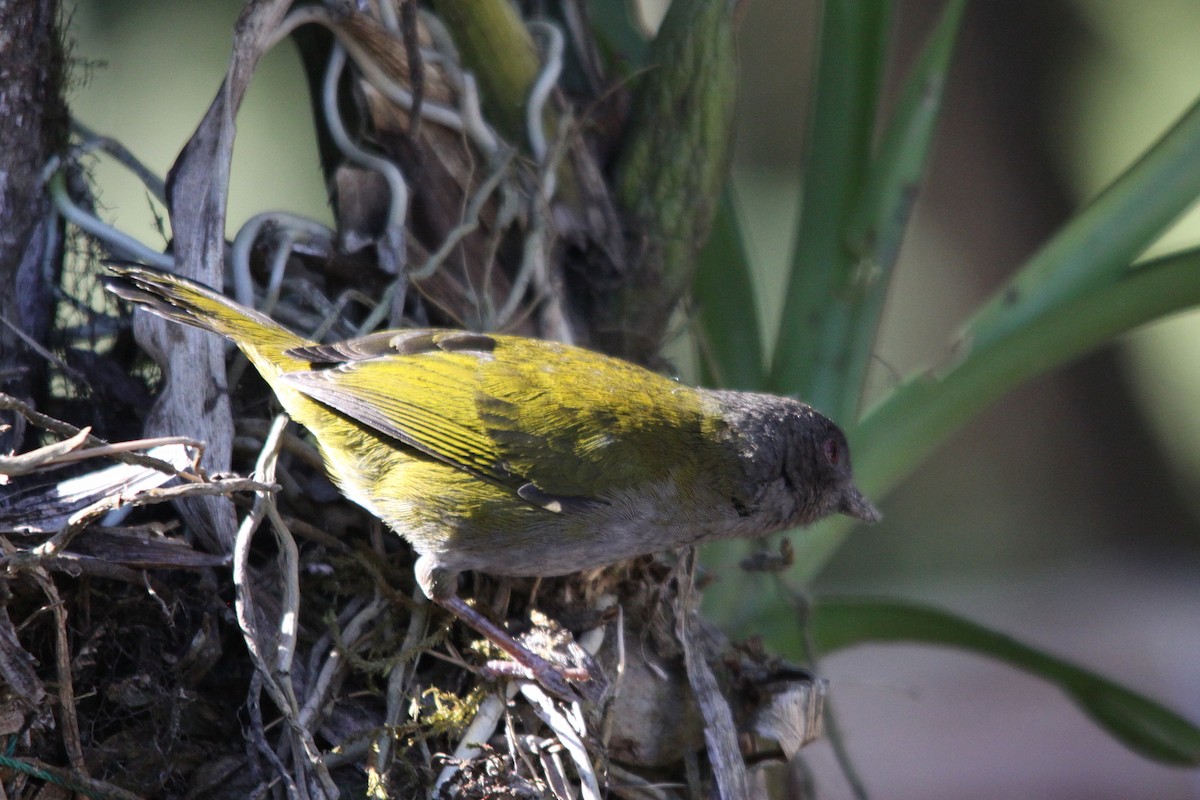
(516, 456)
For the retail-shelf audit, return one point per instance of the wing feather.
(416, 409)
(556, 424)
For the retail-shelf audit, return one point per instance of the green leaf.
(875, 227)
(880, 217)
(1098, 244)
(731, 344)
(921, 413)
(813, 334)
(1138, 722)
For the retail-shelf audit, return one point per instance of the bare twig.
(720, 734)
(45, 422)
(275, 679)
(568, 725)
(69, 717)
(78, 783)
(398, 681)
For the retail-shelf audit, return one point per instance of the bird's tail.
(181, 300)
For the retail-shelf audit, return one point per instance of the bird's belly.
(475, 525)
(465, 523)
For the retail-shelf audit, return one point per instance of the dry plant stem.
(482, 726)
(17, 671)
(569, 728)
(625, 784)
(258, 737)
(316, 656)
(336, 664)
(330, 311)
(273, 672)
(41, 458)
(289, 567)
(67, 452)
(9, 403)
(81, 785)
(398, 683)
(291, 443)
(69, 719)
(111, 450)
(515, 750)
(46, 355)
(78, 521)
(720, 734)
(526, 661)
(606, 724)
(552, 765)
(344, 640)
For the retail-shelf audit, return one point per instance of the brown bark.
(34, 128)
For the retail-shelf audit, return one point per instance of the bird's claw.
(553, 679)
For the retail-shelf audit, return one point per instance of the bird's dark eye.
(833, 452)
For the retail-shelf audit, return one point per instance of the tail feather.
(265, 342)
(185, 301)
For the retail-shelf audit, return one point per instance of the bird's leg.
(440, 586)
(553, 677)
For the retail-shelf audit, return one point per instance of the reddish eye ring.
(833, 452)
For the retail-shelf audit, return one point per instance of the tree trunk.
(34, 129)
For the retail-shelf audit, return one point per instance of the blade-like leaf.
(1096, 247)
(877, 224)
(809, 356)
(1138, 722)
(922, 412)
(731, 341)
(875, 228)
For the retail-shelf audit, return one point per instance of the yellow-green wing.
(575, 423)
(558, 424)
(417, 387)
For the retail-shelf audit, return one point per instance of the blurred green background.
(1068, 514)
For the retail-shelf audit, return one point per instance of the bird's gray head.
(797, 459)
